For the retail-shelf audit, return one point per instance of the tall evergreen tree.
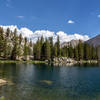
(71, 52)
(15, 51)
(51, 47)
(20, 39)
(87, 51)
(55, 50)
(58, 47)
(76, 55)
(80, 50)
(25, 48)
(37, 49)
(1, 41)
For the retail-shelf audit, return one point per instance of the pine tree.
(20, 39)
(51, 47)
(42, 47)
(76, 55)
(48, 50)
(8, 32)
(80, 50)
(58, 47)
(15, 51)
(71, 51)
(1, 41)
(63, 52)
(97, 55)
(93, 53)
(25, 48)
(55, 50)
(37, 50)
(30, 47)
(86, 51)
(6, 46)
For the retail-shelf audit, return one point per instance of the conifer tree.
(6, 46)
(42, 47)
(25, 48)
(86, 51)
(76, 55)
(71, 51)
(63, 52)
(80, 50)
(20, 39)
(51, 47)
(15, 51)
(1, 41)
(93, 53)
(37, 50)
(58, 47)
(47, 51)
(30, 47)
(55, 50)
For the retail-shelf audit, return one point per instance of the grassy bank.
(12, 61)
(89, 61)
(37, 62)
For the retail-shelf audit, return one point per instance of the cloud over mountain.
(64, 37)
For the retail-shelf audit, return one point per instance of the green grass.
(88, 61)
(12, 61)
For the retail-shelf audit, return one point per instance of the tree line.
(14, 46)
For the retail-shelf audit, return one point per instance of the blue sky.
(70, 16)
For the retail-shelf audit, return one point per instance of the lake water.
(45, 82)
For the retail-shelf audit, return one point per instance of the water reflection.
(45, 82)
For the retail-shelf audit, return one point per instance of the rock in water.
(2, 82)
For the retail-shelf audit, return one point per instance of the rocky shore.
(64, 61)
(69, 62)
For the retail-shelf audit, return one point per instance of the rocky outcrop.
(64, 61)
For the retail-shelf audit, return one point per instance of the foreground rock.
(64, 61)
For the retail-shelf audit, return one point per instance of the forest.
(17, 47)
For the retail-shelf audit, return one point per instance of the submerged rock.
(2, 82)
(47, 82)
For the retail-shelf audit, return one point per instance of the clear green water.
(43, 82)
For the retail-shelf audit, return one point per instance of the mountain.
(73, 43)
(94, 41)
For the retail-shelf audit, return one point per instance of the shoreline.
(52, 62)
(16, 61)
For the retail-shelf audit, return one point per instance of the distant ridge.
(73, 43)
(94, 41)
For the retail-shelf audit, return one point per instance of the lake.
(46, 82)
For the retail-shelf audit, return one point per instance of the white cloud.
(98, 16)
(70, 22)
(20, 17)
(64, 37)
